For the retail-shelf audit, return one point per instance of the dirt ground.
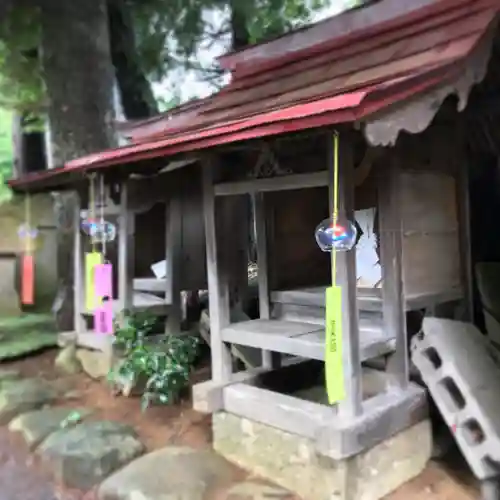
(162, 426)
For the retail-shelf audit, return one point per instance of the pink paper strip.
(103, 318)
(103, 281)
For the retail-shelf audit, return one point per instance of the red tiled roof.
(334, 80)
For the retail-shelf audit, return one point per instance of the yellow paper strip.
(92, 259)
(334, 368)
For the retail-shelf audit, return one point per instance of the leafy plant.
(164, 367)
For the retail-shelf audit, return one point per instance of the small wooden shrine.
(396, 81)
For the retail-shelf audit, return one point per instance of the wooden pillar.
(78, 283)
(270, 360)
(346, 279)
(391, 256)
(125, 252)
(173, 233)
(261, 243)
(463, 206)
(218, 290)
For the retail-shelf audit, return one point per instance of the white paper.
(160, 269)
(368, 269)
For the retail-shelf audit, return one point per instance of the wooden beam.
(463, 209)
(78, 283)
(282, 183)
(263, 272)
(368, 299)
(384, 415)
(218, 292)
(173, 256)
(269, 359)
(346, 279)
(337, 438)
(287, 413)
(125, 253)
(151, 285)
(306, 340)
(207, 396)
(391, 250)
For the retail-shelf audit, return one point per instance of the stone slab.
(82, 456)
(168, 474)
(96, 364)
(24, 395)
(37, 425)
(257, 490)
(67, 361)
(292, 462)
(7, 376)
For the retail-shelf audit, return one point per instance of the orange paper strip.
(28, 279)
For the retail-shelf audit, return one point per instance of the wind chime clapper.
(27, 235)
(98, 271)
(335, 234)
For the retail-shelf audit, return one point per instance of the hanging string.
(335, 201)
(91, 209)
(103, 232)
(27, 220)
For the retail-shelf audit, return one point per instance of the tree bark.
(29, 148)
(135, 90)
(239, 25)
(78, 74)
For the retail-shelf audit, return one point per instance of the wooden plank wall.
(294, 257)
(430, 219)
(150, 225)
(431, 245)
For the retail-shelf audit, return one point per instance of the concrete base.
(291, 461)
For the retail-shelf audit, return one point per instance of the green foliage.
(167, 104)
(6, 153)
(164, 366)
(21, 84)
(168, 34)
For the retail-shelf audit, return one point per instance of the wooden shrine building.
(402, 82)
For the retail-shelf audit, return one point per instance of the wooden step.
(369, 300)
(315, 315)
(304, 339)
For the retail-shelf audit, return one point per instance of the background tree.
(59, 61)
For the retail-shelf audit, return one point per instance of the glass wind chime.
(335, 234)
(99, 271)
(27, 234)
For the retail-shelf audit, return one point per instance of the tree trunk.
(135, 90)
(240, 39)
(78, 74)
(29, 148)
(239, 25)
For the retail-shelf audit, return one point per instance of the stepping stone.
(169, 473)
(35, 426)
(82, 456)
(95, 364)
(67, 362)
(7, 376)
(255, 490)
(21, 396)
